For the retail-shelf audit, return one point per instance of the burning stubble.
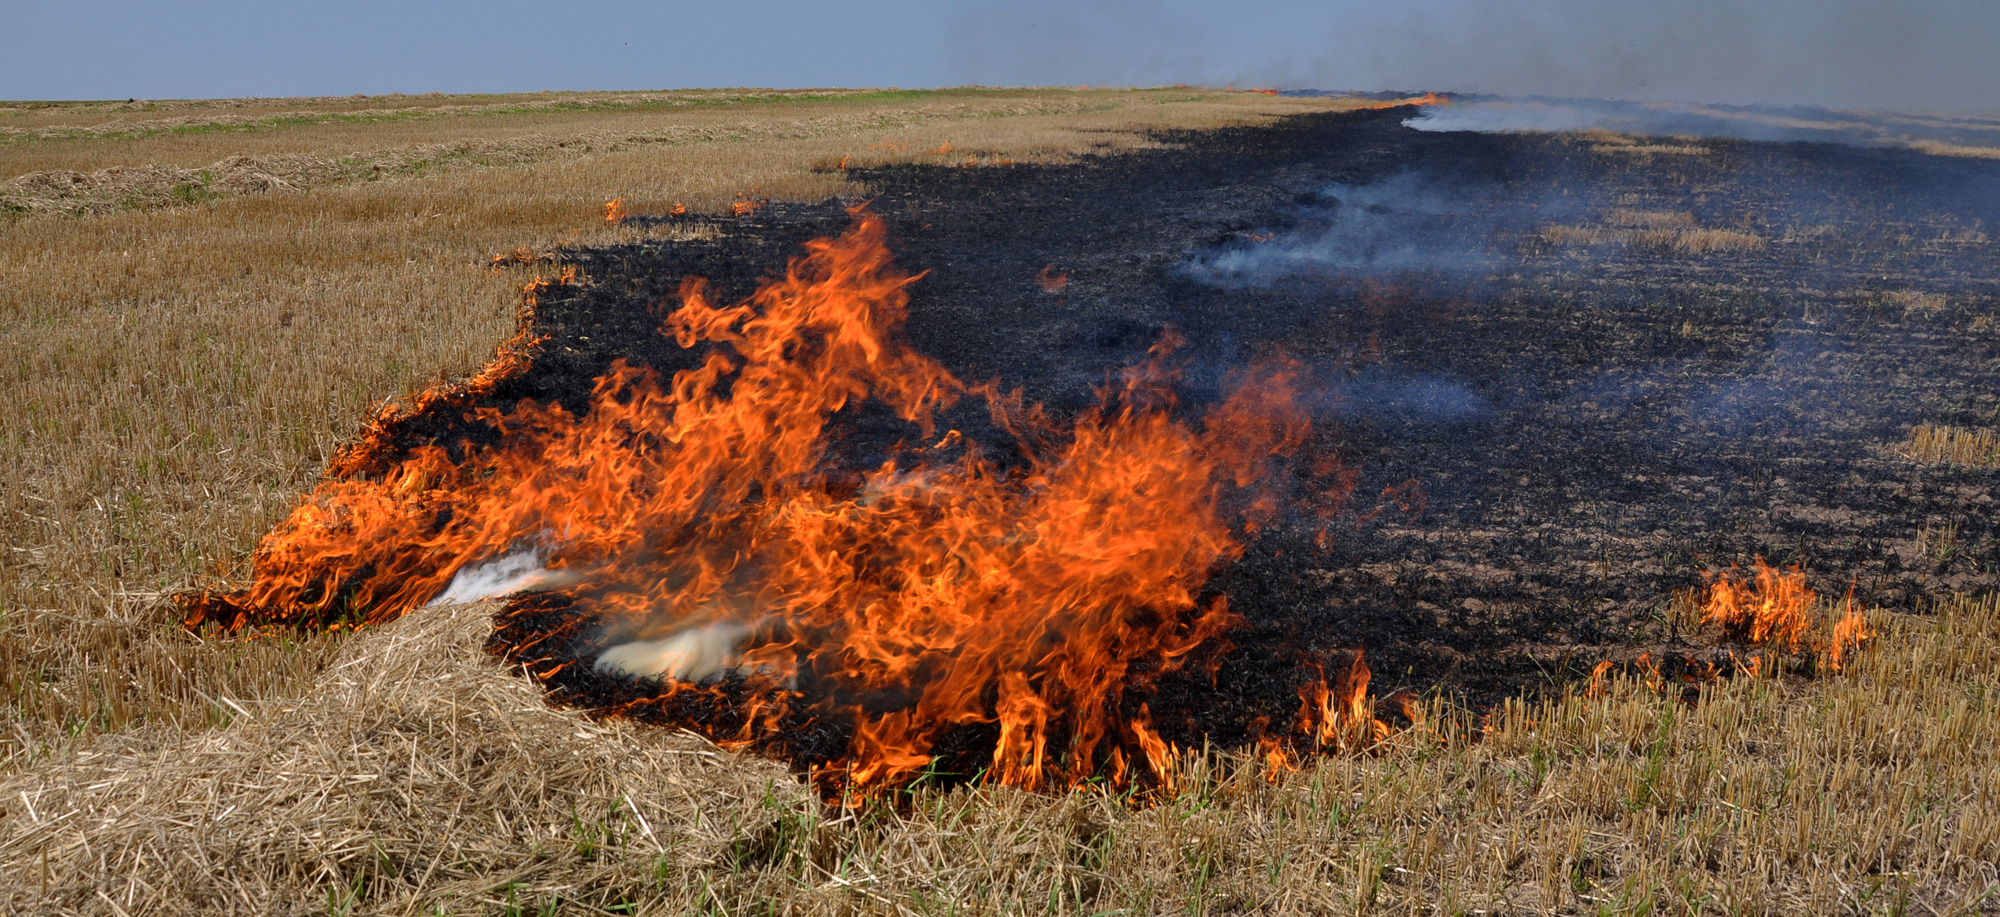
(698, 525)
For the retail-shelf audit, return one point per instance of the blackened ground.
(1562, 435)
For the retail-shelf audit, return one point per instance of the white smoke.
(511, 573)
(697, 654)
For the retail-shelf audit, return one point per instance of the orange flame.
(1341, 716)
(1770, 609)
(614, 210)
(925, 594)
(1774, 608)
(520, 255)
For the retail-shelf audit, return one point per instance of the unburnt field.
(1573, 378)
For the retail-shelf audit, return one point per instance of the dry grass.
(1916, 301)
(417, 776)
(179, 367)
(1603, 141)
(1665, 238)
(1963, 445)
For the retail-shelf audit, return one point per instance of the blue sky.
(1939, 54)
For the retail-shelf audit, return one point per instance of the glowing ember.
(1052, 282)
(698, 526)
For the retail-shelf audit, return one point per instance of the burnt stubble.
(1548, 433)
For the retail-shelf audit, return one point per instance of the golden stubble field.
(204, 298)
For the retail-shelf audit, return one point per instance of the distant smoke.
(1922, 55)
(1492, 114)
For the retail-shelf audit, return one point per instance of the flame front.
(932, 591)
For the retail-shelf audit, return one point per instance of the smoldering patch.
(1410, 222)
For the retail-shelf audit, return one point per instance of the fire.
(1775, 608)
(1771, 609)
(1341, 716)
(697, 530)
(614, 210)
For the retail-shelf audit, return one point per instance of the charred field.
(1566, 382)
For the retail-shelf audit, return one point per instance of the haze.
(1911, 55)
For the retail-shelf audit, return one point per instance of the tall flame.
(933, 591)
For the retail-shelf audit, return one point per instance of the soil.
(1549, 440)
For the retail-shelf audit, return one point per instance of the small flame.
(1770, 608)
(614, 210)
(1341, 716)
(1596, 686)
(1774, 608)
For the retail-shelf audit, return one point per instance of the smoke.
(697, 654)
(1923, 55)
(1408, 222)
(517, 572)
(1493, 114)
(1422, 399)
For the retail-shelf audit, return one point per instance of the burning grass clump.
(416, 775)
(1774, 608)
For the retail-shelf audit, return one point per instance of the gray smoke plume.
(1918, 55)
(1936, 133)
(1408, 222)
